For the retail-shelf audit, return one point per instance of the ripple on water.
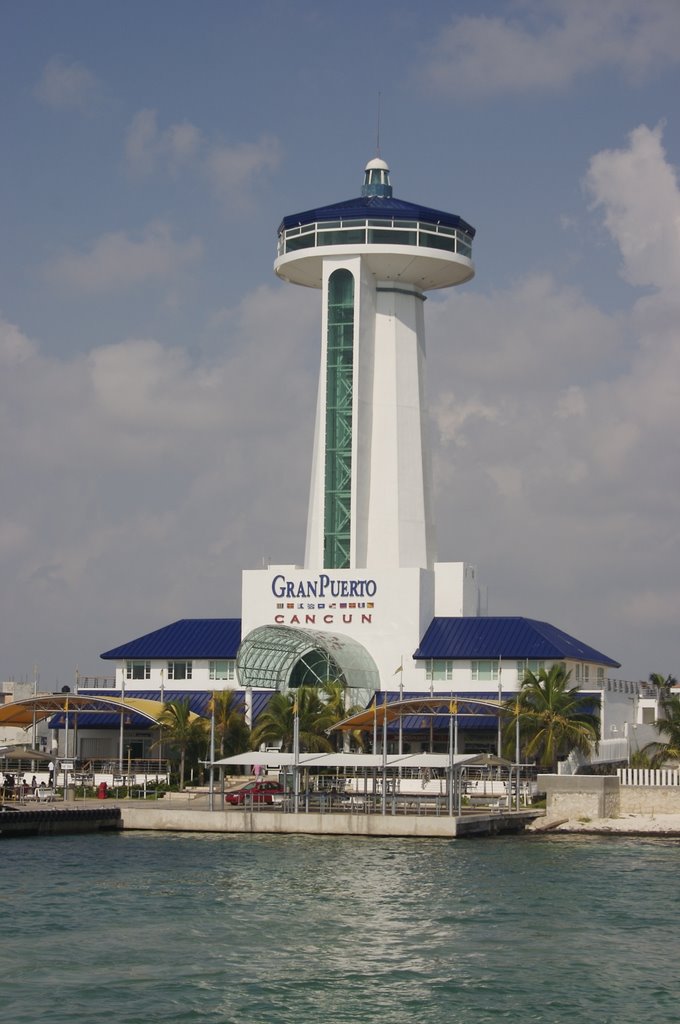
(271, 930)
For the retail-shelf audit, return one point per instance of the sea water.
(149, 927)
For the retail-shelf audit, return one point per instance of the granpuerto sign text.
(322, 587)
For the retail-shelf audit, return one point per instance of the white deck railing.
(649, 776)
(607, 751)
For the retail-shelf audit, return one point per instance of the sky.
(158, 383)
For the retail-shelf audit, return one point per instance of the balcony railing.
(375, 232)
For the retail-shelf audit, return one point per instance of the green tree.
(231, 732)
(276, 723)
(640, 759)
(662, 682)
(553, 718)
(183, 732)
(668, 726)
(335, 693)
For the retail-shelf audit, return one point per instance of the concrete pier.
(193, 815)
(273, 822)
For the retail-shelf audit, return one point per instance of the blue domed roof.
(377, 208)
(377, 202)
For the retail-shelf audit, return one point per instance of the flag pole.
(400, 670)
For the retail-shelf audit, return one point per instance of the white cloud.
(643, 221)
(146, 146)
(141, 142)
(536, 329)
(183, 141)
(234, 171)
(15, 347)
(546, 45)
(66, 86)
(117, 261)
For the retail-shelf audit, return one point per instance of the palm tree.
(335, 692)
(662, 682)
(184, 731)
(667, 725)
(277, 722)
(316, 717)
(231, 731)
(553, 718)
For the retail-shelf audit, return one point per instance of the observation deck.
(400, 241)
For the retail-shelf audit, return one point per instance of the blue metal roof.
(377, 209)
(186, 638)
(198, 702)
(503, 637)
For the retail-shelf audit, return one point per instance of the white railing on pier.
(649, 776)
(607, 751)
(610, 750)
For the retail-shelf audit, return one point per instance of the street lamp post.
(517, 753)
(122, 724)
(383, 809)
(296, 755)
(211, 798)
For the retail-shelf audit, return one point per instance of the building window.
(179, 670)
(600, 674)
(439, 670)
(529, 665)
(586, 673)
(222, 669)
(138, 670)
(484, 671)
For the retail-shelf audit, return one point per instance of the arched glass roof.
(283, 657)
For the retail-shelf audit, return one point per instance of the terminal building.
(372, 605)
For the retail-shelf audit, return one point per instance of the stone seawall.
(603, 796)
(649, 800)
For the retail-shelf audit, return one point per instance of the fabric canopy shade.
(275, 759)
(15, 753)
(461, 707)
(24, 712)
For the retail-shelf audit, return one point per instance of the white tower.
(373, 257)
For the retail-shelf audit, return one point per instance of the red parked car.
(262, 791)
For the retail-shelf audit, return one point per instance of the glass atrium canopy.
(284, 657)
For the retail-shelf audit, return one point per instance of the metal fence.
(649, 776)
